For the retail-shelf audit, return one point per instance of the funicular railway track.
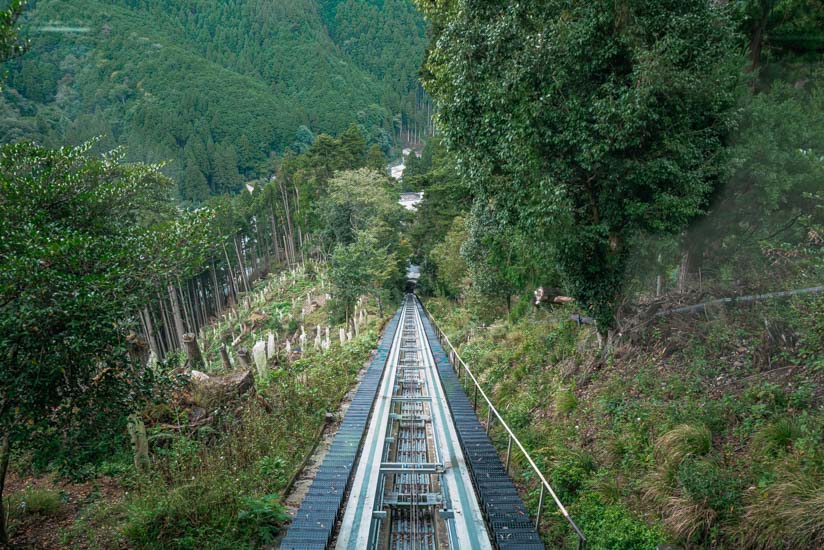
(414, 469)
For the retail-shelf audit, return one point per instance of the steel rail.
(454, 359)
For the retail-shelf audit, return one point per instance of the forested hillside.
(621, 232)
(215, 87)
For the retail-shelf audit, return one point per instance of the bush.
(788, 514)
(777, 436)
(569, 474)
(612, 527)
(705, 482)
(43, 502)
(565, 401)
(681, 442)
(261, 518)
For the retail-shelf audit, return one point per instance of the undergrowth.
(699, 431)
(220, 485)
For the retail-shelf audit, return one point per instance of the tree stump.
(140, 443)
(243, 358)
(194, 357)
(224, 358)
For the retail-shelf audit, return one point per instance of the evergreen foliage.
(598, 122)
(84, 242)
(217, 87)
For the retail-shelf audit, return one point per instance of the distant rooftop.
(410, 201)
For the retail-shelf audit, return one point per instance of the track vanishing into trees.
(411, 467)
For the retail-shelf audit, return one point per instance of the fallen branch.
(698, 308)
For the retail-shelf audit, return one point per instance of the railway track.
(411, 468)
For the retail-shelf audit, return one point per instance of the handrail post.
(540, 509)
(475, 404)
(508, 453)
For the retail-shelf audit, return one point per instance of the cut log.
(550, 295)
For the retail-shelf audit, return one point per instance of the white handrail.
(545, 484)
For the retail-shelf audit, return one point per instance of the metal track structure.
(425, 475)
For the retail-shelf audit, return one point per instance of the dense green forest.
(219, 89)
(194, 197)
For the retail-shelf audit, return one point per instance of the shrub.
(777, 436)
(31, 500)
(565, 401)
(788, 514)
(261, 518)
(694, 495)
(570, 472)
(705, 482)
(681, 442)
(612, 527)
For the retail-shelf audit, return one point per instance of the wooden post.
(140, 443)
(195, 358)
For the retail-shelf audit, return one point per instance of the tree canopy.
(83, 242)
(586, 124)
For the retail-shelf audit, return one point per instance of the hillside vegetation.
(215, 87)
(173, 337)
(630, 161)
(701, 431)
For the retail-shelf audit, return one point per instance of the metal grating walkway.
(314, 523)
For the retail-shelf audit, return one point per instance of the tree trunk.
(286, 248)
(164, 324)
(300, 237)
(232, 284)
(690, 265)
(199, 287)
(161, 344)
(178, 317)
(195, 358)
(186, 302)
(606, 343)
(285, 196)
(275, 235)
(243, 276)
(218, 290)
(150, 335)
(757, 40)
(5, 453)
(167, 325)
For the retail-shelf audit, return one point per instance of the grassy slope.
(219, 485)
(701, 430)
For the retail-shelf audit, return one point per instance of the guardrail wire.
(463, 372)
